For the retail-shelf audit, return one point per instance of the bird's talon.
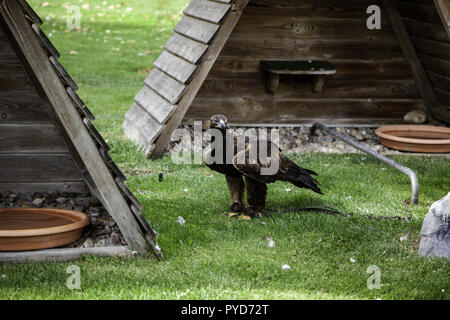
(257, 215)
(244, 217)
(233, 214)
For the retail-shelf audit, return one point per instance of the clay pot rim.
(420, 129)
(80, 220)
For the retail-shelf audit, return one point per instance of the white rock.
(352, 260)
(435, 233)
(285, 267)
(181, 221)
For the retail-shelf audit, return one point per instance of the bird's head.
(218, 121)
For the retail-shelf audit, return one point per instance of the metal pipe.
(411, 174)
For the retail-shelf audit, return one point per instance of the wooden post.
(399, 28)
(443, 8)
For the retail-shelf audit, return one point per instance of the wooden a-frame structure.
(211, 64)
(48, 142)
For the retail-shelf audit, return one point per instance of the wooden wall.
(373, 82)
(432, 43)
(33, 155)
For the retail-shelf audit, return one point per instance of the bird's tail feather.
(302, 178)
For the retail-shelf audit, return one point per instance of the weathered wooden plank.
(276, 110)
(63, 74)
(186, 48)
(443, 95)
(426, 30)
(30, 138)
(147, 126)
(420, 12)
(127, 193)
(14, 80)
(443, 7)
(432, 48)
(46, 43)
(234, 67)
(80, 104)
(22, 107)
(410, 53)
(196, 29)
(165, 86)
(95, 134)
(38, 168)
(176, 67)
(314, 49)
(307, 9)
(143, 222)
(112, 165)
(28, 10)
(207, 10)
(209, 60)
(294, 88)
(265, 22)
(439, 81)
(44, 187)
(63, 255)
(133, 133)
(321, 5)
(77, 133)
(154, 104)
(437, 65)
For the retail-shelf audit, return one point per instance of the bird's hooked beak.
(222, 124)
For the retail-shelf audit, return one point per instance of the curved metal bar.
(410, 173)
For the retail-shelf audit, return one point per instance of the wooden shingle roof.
(180, 69)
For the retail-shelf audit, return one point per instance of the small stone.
(61, 200)
(435, 233)
(38, 201)
(27, 197)
(285, 267)
(415, 117)
(181, 221)
(94, 211)
(115, 239)
(88, 243)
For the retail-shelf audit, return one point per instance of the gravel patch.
(297, 140)
(102, 230)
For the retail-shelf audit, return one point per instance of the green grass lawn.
(212, 256)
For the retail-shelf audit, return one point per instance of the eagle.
(239, 165)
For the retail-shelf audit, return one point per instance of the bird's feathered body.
(241, 163)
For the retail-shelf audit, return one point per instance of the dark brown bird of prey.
(240, 163)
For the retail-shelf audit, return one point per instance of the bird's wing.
(276, 166)
(250, 163)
